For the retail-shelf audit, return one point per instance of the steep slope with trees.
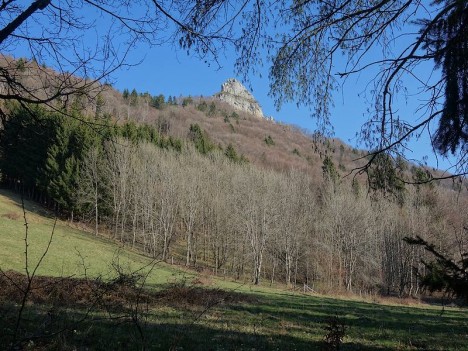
(205, 200)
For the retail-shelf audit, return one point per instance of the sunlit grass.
(72, 251)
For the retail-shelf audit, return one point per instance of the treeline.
(156, 101)
(41, 151)
(254, 224)
(208, 207)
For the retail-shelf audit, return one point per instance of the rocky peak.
(236, 95)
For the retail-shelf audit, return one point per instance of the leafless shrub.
(189, 296)
(335, 333)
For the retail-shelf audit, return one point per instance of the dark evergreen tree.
(100, 102)
(269, 140)
(133, 97)
(199, 137)
(329, 170)
(24, 141)
(187, 101)
(129, 131)
(41, 151)
(383, 176)
(447, 43)
(71, 142)
(231, 153)
(444, 274)
(212, 109)
(158, 101)
(58, 168)
(125, 94)
(202, 106)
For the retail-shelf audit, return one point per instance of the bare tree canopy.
(303, 42)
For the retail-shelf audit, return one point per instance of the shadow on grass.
(72, 330)
(69, 313)
(399, 326)
(29, 206)
(181, 317)
(273, 322)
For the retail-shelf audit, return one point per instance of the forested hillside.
(194, 181)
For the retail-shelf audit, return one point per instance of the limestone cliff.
(236, 95)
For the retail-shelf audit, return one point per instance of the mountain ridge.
(272, 145)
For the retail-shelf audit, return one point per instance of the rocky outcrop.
(236, 95)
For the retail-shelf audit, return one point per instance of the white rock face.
(236, 95)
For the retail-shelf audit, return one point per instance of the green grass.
(269, 319)
(71, 250)
(275, 321)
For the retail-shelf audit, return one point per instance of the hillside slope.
(264, 142)
(72, 253)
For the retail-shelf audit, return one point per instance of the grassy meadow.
(72, 252)
(182, 310)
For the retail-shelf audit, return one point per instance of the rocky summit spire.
(236, 95)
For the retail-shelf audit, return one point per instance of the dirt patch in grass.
(12, 216)
(180, 294)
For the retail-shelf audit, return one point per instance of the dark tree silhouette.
(447, 42)
(445, 273)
